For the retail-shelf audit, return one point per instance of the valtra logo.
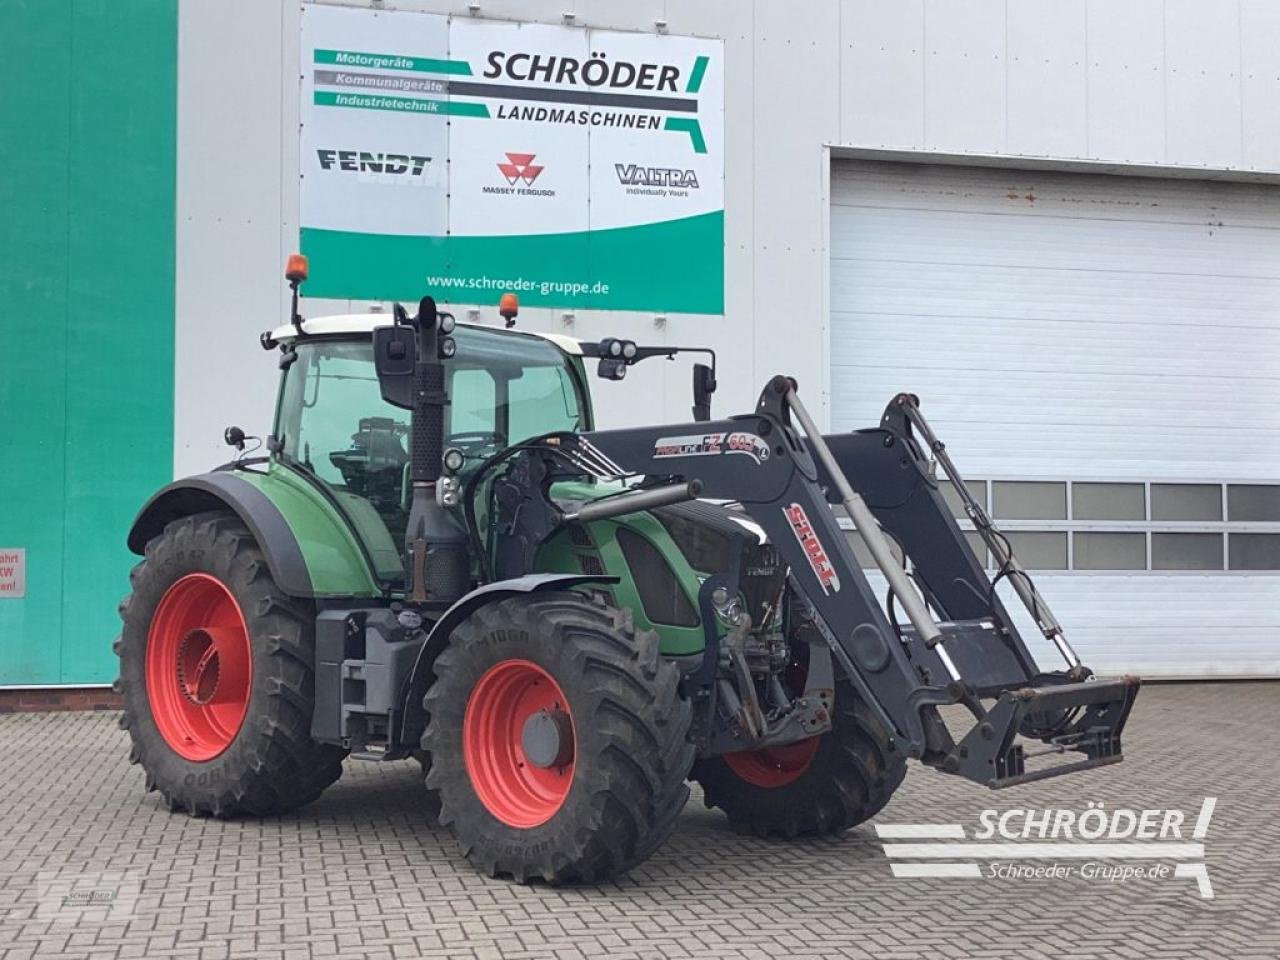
(520, 168)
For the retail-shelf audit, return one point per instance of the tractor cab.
(333, 425)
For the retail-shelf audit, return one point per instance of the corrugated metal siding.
(1155, 625)
(1068, 326)
(1062, 325)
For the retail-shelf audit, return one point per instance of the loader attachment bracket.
(1091, 716)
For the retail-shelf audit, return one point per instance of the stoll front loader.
(441, 558)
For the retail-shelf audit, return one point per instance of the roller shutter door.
(1104, 353)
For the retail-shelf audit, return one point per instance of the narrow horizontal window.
(1110, 551)
(1186, 501)
(1108, 501)
(1039, 549)
(978, 547)
(1253, 501)
(1030, 500)
(863, 555)
(1186, 551)
(977, 490)
(1254, 551)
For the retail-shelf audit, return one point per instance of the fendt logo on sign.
(656, 181)
(520, 172)
(813, 549)
(368, 162)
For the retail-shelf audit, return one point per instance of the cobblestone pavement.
(364, 873)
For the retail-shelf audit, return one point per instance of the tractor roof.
(356, 323)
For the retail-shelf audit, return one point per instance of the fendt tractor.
(439, 557)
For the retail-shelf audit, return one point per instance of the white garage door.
(1103, 352)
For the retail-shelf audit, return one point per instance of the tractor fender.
(415, 686)
(224, 490)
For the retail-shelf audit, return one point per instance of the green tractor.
(440, 557)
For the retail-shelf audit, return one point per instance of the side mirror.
(704, 385)
(394, 352)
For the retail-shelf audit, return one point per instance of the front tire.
(822, 785)
(217, 676)
(557, 739)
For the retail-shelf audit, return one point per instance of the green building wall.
(88, 135)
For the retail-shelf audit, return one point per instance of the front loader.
(441, 558)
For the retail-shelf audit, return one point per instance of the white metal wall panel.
(1048, 67)
(1202, 64)
(1063, 326)
(1125, 95)
(1259, 80)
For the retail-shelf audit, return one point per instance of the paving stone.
(365, 873)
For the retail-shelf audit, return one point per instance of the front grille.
(706, 549)
(661, 595)
(763, 577)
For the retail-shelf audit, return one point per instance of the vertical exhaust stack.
(435, 545)
(408, 357)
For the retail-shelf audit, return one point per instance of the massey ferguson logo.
(519, 168)
(814, 551)
(364, 161)
(520, 172)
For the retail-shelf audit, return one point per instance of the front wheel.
(822, 785)
(557, 740)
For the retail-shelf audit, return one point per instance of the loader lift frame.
(786, 483)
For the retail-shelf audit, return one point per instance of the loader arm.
(785, 482)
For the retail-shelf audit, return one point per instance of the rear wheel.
(825, 784)
(557, 740)
(217, 675)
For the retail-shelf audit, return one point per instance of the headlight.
(728, 607)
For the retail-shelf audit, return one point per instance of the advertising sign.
(464, 158)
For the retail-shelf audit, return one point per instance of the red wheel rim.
(774, 766)
(511, 787)
(199, 667)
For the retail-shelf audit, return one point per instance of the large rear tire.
(557, 739)
(217, 676)
(822, 785)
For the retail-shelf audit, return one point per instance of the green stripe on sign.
(695, 78)
(362, 101)
(393, 61)
(675, 266)
(690, 127)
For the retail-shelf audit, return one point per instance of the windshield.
(332, 420)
